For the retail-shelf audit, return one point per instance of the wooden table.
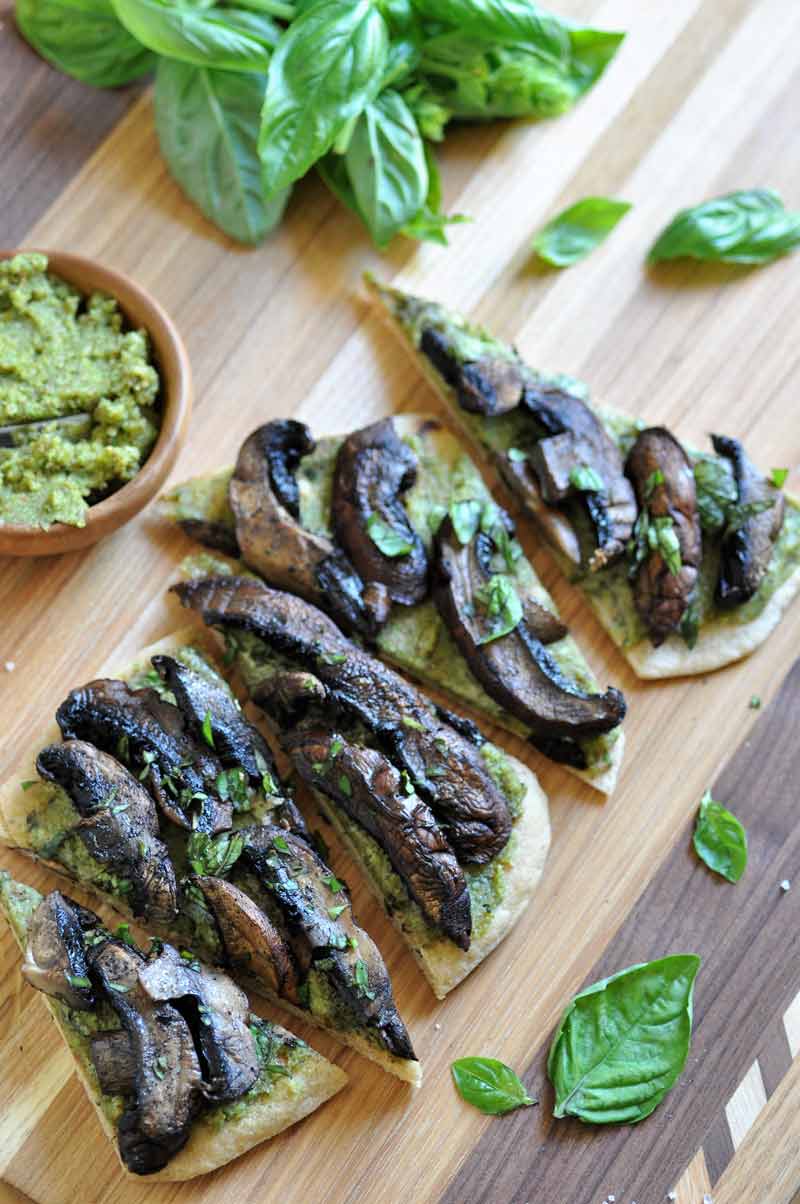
(702, 98)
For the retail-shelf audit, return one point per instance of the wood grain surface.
(702, 98)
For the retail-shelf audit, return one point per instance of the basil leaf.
(465, 516)
(489, 1085)
(585, 478)
(716, 491)
(215, 855)
(740, 512)
(386, 539)
(84, 39)
(778, 477)
(623, 1042)
(387, 167)
(207, 123)
(575, 232)
(720, 840)
(204, 37)
(501, 603)
(327, 68)
(749, 226)
(663, 538)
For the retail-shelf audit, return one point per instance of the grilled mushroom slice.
(251, 941)
(167, 1080)
(374, 468)
(217, 1012)
(119, 826)
(461, 793)
(368, 788)
(489, 384)
(113, 1061)
(55, 957)
(298, 884)
(663, 478)
(151, 735)
(747, 545)
(273, 543)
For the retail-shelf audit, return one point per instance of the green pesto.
(65, 357)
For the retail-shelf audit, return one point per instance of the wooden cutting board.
(701, 99)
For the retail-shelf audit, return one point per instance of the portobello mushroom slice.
(491, 383)
(748, 541)
(663, 479)
(113, 1061)
(273, 542)
(515, 669)
(368, 788)
(461, 792)
(321, 931)
(374, 468)
(252, 943)
(152, 736)
(119, 825)
(217, 1013)
(168, 1086)
(55, 956)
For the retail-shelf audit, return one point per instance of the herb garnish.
(345, 785)
(27, 784)
(489, 1085)
(750, 226)
(720, 840)
(501, 602)
(333, 884)
(586, 479)
(362, 979)
(207, 730)
(214, 855)
(335, 911)
(78, 980)
(388, 541)
(576, 231)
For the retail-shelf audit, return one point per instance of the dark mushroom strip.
(523, 484)
(663, 479)
(119, 826)
(152, 736)
(212, 535)
(168, 1080)
(748, 542)
(285, 443)
(368, 788)
(55, 956)
(273, 542)
(462, 793)
(217, 1012)
(252, 944)
(491, 384)
(374, 468)
(113, 1061)
(515, 669)
(322, 933)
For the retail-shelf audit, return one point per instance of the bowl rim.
(176, 402)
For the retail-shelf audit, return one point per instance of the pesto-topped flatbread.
(687, 557)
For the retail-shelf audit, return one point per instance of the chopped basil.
(119, 986)
(414, 724)
(585, 478)
(501, 603)
(720, 840)
(344, 784)
(78, 980)
(406, 783)
(465, 517)
(336, 747)
(489, 1085)
(208, 734)
(280, 844)
(123, 933)
(778, 477)
(214, 855)
(654, 535)
(335, 911)
(362, 979)
(333, 884)
(27, 784)
(388, 541)
(655, 479)
(716, 492)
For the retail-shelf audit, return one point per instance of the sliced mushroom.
(515, 669)
(152, 736)
(55, 956)
(521, 480)
(217, 1012)
(212, 535)
(113, 1061)
(368, 788)
(663, 478)
(274, 544)
(322, 932)
(374, 468)
(463, 795)
(747, 545)
(168, 1080)
(285, 443)
(491, 383)
(252, 943)
(119, 826)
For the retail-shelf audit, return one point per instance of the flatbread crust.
(719, 643)
(15, 807)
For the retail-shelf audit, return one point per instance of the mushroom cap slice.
(663, 479)
(179, 770)
(489, 384)
(374, 467)
(369, 789)
(747, 547)
(55, 956)
(119, 825)
(113, 1061)
(251, 941)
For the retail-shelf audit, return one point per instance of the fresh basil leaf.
(720, 840)
(575, 232)
(778, 477)
(465, 515)
(214, 855)
(587, 479)
(427, 110)
(489, 1085)
(430, 224)
(387, 166)
(502, 604)
(207, 123)
(751, 226)
(386, 539)
(663, 538)
(623, 1042)
(716, 491)
(327, 68)
(204, 37)
(84, 39)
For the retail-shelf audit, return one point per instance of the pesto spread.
(78, 397)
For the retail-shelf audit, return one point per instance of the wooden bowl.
(172, 364)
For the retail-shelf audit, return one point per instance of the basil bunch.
(253, 94)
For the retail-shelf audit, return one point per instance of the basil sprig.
(578, 230)
(623, 1042)
(750, 226)
(720, 840)
(489, 1085)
